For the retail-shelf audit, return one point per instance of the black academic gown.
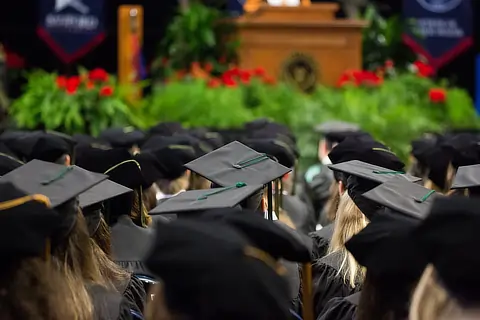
(134, 293)
(321, 241)
(298, 211)
(108, 305)
(327, 283)
(341, 308)
(130, 245)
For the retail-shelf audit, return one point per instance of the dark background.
(18, 21)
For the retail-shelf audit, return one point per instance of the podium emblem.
(301, 70)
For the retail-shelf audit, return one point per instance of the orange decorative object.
(304, 44)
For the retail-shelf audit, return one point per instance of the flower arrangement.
(84, 103)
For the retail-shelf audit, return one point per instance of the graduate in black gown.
(338, 274)
(27, 226)
(448, 238)
(386, 249)
(467, 181)
(71, 244)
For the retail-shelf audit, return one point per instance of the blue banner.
(71, 28)
(439, 30)
(235, 7)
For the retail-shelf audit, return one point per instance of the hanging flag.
(71, 28)
(235, 7)
(439, 30)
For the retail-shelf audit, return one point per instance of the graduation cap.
(125, 137)
(167, 129)
(203, 262)
(467, 177)
(91, 202)
(449, 240)
(232, 134)
(360, 177)
(403, 196)
(422, 147)
(195, 201)
(57, 182)
(157, 142)
(336, 126)
(213, 139)
(236, 162)
(275, 148)
(26, 223)
(40, 145)
(103, 191)
(265, 126)
(384, 246)
(463, 149)
(8, 162)
(365, 149)
(166, 162)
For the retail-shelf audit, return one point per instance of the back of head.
(210, 271)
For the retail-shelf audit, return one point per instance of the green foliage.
(395, 112)
(85, 109)
(382, 41)
(197, 34)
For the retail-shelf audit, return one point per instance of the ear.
(341, 188)
(68, 160)
(188, 173)
(263, 205)
(322, 149)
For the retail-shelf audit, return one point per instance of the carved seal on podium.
(301, 70)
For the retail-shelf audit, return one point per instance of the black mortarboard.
(8, 162)
(230, 135)
(386, 248)
(195, 201)
(268, 127)
(467, 177)
(422, 147)
(202, 263)
(369, 171)
(167, 129)
(168, 160)
(41, 146)
(58, 182)
(118, 164)
(365, 149)
(87, 140)
(403, 196)
(126, 137)
(449, 239)
(275, 148)
(336, 126)
(266, 235)
(157, 142)
(236, 162)
(26, 223)
(103, 191)
(213, 139)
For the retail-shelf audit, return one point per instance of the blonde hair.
(175, 186)
(333, 201)
(35, 289)
(430, 301)
(349, 221)
(115, 277)
(140, 214)
(197, 182)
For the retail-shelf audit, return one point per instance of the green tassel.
(236, 186)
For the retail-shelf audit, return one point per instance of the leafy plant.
(87, 103)
(382, 41)
(198, 34)
(395, 111)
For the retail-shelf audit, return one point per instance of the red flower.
(228, 81)
(98, 74)
(72, 84)
(259, 72)
(61, 82)
(214, 83)
(359, 77)
(245, 77)
(233, 72)
(106, 91)
(389, 64)
(437, 95)
(423, 69)
(269, 80)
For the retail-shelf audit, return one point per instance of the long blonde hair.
(430, 300)
(349, 221)
(332, 203)
(450, 175)
(40, 290)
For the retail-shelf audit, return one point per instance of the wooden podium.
(305, 45)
